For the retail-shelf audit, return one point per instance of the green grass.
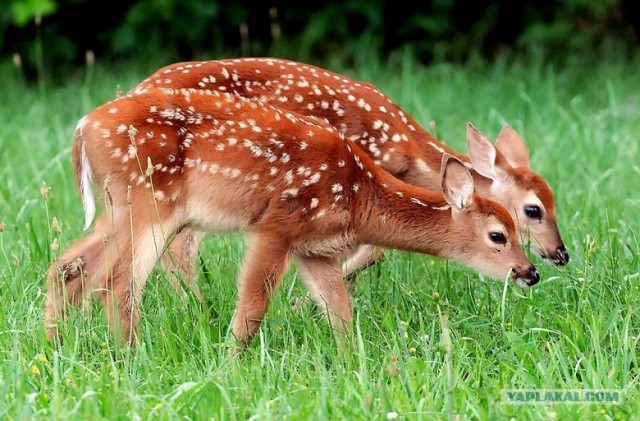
(433, 340)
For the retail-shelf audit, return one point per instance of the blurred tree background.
(57, 34)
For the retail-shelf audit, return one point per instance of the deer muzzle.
(526, 277)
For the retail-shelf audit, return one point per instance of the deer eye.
(533, 211)
(497, 237)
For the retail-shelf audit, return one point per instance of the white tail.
(88, 201)
(84, 175)
(197, 158)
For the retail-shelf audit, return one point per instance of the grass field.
(433, 340)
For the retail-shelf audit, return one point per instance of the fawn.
(384, 131)
(172, 159)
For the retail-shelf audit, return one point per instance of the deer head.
(524, 193)
(497, 245)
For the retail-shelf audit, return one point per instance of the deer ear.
(486, 159)
(457, 183)
(513, 148)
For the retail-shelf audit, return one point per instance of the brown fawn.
(171, 159)
(384, 131)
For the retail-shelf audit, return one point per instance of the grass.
(433, 340)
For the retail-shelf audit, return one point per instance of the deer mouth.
(559, 257)
(526, 278)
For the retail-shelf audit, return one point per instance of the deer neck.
(395, 215)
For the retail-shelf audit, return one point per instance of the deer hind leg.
(179, 261)
(74, 274)
(264, 266)
(139, 245)
(323, 279)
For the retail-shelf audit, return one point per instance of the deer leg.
(138, 250)
(179, 261)
(75, 273)
(357, 259)
(327, 289)
(264, 266)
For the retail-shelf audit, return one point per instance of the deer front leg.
(323, 279)
(179, 261)
(264, 265)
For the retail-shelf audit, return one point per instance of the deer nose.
(534, 276)
(562, 256)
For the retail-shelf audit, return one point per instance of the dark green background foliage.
(453, 30)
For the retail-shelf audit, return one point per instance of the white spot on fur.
(288, 177)
(312, 180)
(419, 202)
(442, 208)
(436, 147)
(292, 192)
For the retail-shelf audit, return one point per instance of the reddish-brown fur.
(376, 124)
(167, 160)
